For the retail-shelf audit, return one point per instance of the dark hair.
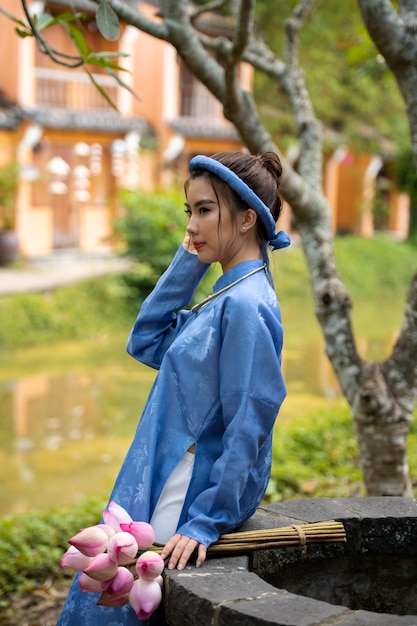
(261, 173)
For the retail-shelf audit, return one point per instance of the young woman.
(200, 461)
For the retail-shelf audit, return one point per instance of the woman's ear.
(248, 220)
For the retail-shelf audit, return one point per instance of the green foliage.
(404, 172)
(8, 186)
(86, 309)
(375, 266)
(32, 545)
(352, 90)
(316, 456)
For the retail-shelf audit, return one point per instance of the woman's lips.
(198, 245)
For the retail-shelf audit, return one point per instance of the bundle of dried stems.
(248, 541)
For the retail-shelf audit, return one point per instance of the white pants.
(168, 509)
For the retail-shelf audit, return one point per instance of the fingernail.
(170, 566)
(180, 566)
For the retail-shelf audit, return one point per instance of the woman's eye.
(187, 212)
(204, 209)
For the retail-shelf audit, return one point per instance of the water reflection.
(64, 434)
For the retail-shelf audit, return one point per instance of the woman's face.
(214, 234)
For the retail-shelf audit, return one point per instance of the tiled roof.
(203, 127)
(10, 114)
(10, 118)
(101, 121)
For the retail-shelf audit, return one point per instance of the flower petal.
(90, 541)
(149, 565)
(101, 568)
(145, 597)
(122, 548)
(122, 582)
(142, 532)
(116, 515)
(107, 599)
(89, 584)
(74, 559)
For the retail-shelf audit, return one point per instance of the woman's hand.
(179, 548)
(188, 244)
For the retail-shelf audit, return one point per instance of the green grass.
(83, 310)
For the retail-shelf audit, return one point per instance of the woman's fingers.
(179, 550)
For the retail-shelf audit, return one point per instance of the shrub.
(32, 545)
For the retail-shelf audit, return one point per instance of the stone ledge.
(227, 592)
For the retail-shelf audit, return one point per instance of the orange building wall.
(8, 53)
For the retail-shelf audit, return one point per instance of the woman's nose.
(192, 224)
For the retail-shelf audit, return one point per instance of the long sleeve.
(160, 317)
(251, 392)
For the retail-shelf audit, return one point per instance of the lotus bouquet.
(102, 553)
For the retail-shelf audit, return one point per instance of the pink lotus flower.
(107, 599)
(90, 541)
(145, 597)
(149, 565)
(107, 529)
(74, 559)
(116, 515)
(122, 583)
(122, 548)
(101, 568)
(142, 532)
(89, 584)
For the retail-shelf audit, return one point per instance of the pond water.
(68, 411)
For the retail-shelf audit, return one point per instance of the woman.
(201, 457)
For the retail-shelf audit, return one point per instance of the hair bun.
(272, 163)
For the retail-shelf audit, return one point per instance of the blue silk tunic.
(219, 386)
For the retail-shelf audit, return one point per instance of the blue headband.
(275, 240)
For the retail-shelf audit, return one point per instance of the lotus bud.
(107, 599)
(75, 559)
(107, 529)
(116, 515)
(160, 581)
(122, 548)
(89, 584)
(142, 532)
(122, 583)
(145, 597)
(149, 565)
(101, 568)
(90, 541)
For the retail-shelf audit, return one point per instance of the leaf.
(122, 83)
(101, 90)
(79, 40)
(103, 61)
(107, 21)
(62, 18)
(43, 20)
(24, 33)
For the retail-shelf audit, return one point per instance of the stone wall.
(371, 580)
